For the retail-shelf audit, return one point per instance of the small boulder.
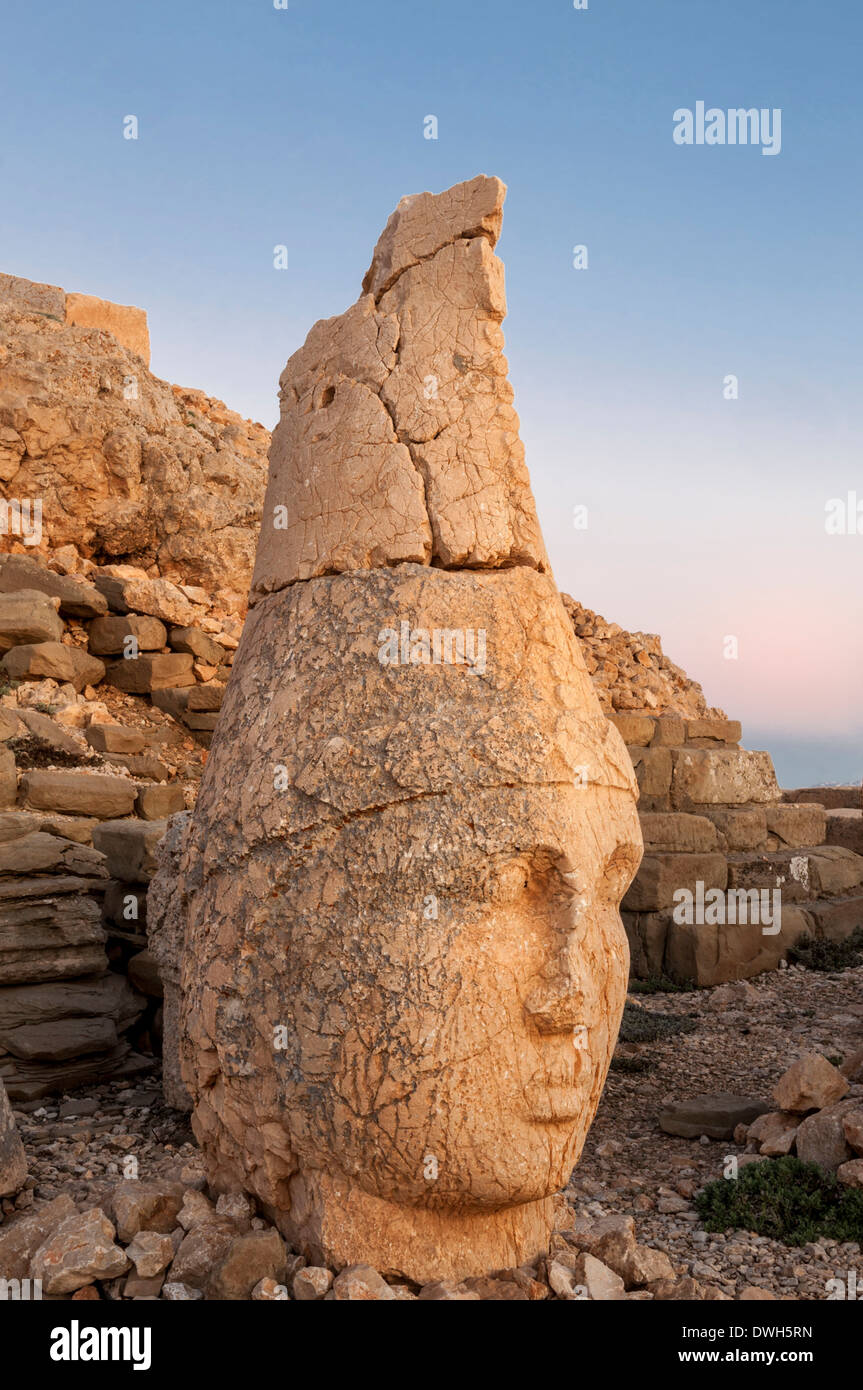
(78, 597)
(852, 1124)
(53, 661)
(851, 1173)
(774, 1133)
(251, 1257)
(361, 1284)
(27, 617)
(80, 1250)
(312, 1283)
(716, 1116)
(20, 1239)
(602, 1284)
(146, 1206)
(151, 1252)
(821, 1137)
(810, 1084)
(109, 636)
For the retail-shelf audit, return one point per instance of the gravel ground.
(629, 1166)
(746, 1037)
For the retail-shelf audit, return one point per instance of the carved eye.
(509, 882)
(620, 870)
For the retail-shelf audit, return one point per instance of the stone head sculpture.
(404, 967)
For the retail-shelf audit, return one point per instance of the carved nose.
(556, 1003)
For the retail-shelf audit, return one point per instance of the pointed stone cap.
(425, 222)
(398, 442)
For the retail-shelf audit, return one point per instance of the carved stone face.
(468, 1003)
(420, 906)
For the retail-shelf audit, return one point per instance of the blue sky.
(304, 127)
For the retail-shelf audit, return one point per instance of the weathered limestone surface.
(126, 466)
(403, 962)
(398, 440)
(123, 321)
(166, 912)
(13, 1160)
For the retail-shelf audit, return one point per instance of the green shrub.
(661, 984)
(828, 955)
(785, 1199)
(630, 1065)
(639, 1025)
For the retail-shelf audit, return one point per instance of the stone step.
(90, 996)
(27, 617)
(79, 793)
(831, 798)
(845, 828)
(835, 919)
(147, 672)
(708, 953)
(130, 847)
(59, 1040)
(677, 832)
(660, 876)
(78, 597)
(801, 874)
(33, 1080)
(53, 661)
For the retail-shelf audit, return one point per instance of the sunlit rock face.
(404, 967)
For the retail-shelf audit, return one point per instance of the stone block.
(653, 773)
(157, 803)
(662, 875)
(146, 673)
(727, 776)
(129, 590)
(27, 617)
(123, 321)
(78, 597)
(712, 954)
(197, 644)
(845, 829)
(203, 721)
(108, 635)
(717, 1116)
(636, 730)
(79, 793)
(831, 798)
(835, 919)
(835, 870)
(130, 847)
(60, 1039)
(676, 831)
(789, 870)
(115, 738)
(53, 661)
(727, 731)
(670, 731)
(206, 698)
(796, 827)
(172, 700)
(31, 297)
(739, 827)
(646, 933)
